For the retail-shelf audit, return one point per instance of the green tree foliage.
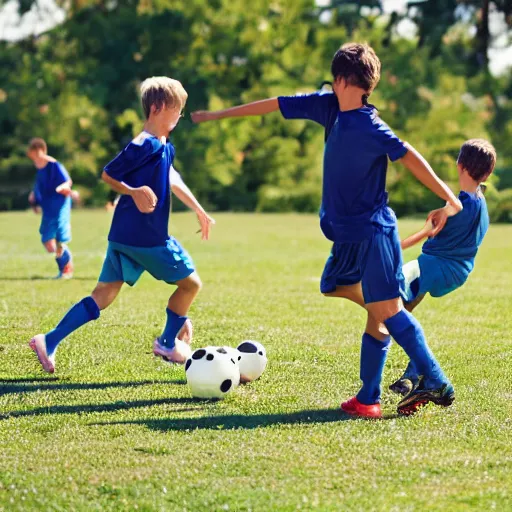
(77, 86)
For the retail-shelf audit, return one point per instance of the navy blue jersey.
(356, 153)
(463, 233)
(47, 180)
(145, 161)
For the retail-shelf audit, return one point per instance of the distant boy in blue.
(448, 258)
(143, 174)
(52, 192)
(354, 215)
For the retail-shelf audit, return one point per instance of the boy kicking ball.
(52, 193)
(138, 240)
(447, 259)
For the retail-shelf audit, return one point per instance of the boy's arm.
(184, 194)
(144, 198)
(256, 108)
(422, 171)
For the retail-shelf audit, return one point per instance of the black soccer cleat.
(404, 385)
(419, 397)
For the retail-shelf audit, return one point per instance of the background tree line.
(77, 86)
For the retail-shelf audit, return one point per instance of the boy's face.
(168, 117)
(34, 154)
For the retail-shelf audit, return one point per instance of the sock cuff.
(173, 315)
(368, 338)
(399, 322)
(91, 307)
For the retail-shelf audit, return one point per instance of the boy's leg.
(177, 308)
(64, 261)
(82, 312)
(374, 348)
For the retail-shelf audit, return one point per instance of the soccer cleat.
(404, 385)
(186, 332)
(355, 408)
(67, 271)
(419, 397)
(38, 345)
(178, 354)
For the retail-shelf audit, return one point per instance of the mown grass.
(116, 429)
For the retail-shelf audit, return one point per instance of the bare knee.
(50, 246)
(105, 293)
(191, 284)
(382, 311)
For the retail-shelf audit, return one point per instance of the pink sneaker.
(178, 354)
(38, 345)
(186, 332)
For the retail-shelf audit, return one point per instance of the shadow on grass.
(109, 407)
(23, 386)
(242, 421)
(44, 278)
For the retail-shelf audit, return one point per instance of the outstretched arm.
(422, 171)
(184, 194)
(144, 198)
(256, 108)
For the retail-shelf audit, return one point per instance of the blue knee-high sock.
(79, 314)
(373, 357)
(411, 372)
(172, 328)
(63, 259)
(410, 336)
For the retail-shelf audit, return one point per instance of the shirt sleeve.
(61, 175)
(315, 106)
(389, 143)
(174, 176)
(126, 161)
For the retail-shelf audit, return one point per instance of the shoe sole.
(413, 406)
(33, 346)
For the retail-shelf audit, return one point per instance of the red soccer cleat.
(355, 408)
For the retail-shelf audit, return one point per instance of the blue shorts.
(56, 227)
(375, 262)
(434, 275)
(169, 263)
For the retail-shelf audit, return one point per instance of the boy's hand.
(32, 198)
(202, 116)
(206, 222)
(438, 219)
(145, 199)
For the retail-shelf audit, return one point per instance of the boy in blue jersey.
(143, 174)
(447, 259)
(354, 215)
(52, 193)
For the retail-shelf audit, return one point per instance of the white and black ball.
(212, 372)
(253, 360)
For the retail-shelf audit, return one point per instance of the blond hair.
(162, 91)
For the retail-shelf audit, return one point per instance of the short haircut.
(162, 91)
(478, 158)
(358, 64)
(37, 143)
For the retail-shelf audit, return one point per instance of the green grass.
(116, 429)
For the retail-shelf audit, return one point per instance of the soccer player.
(354, 215)
(52, 192)
(138, 240)
(447, 259)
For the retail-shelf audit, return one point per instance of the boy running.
(52, 192)
(354, 215)
(138, 240)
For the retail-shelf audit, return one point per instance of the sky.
(47, 15)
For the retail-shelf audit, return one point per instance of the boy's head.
(36, 148)
(477, 157)
(356, 65)
(163, 99)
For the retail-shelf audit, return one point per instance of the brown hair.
(162, 91)
(37, 143)
(478, 158)
(359, 65)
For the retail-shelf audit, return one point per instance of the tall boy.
(138, 238)
(52, 192)
(354, 215)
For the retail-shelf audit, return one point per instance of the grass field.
(115, 429)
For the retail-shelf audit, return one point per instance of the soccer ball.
(212, 372)
(253, 360)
